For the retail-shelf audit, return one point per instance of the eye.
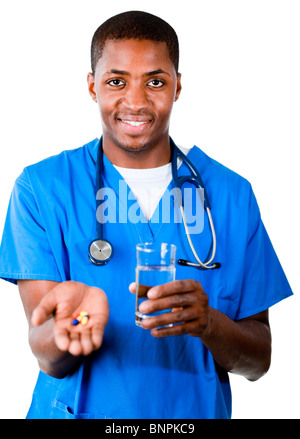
(156, 83)
(115, 82)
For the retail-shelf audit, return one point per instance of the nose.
(135, 97)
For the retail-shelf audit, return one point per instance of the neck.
(143, 157)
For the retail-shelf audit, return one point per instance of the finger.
(86, 342)
(45, 308)
(174, 301)
(170, 318)
(62, 338)
(132, 287)
(75, 347)
(96, 337)
(97, 330)
(179, 329)
(174, 287)
(142, 289)
(176, 329)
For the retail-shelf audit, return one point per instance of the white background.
(240, 103)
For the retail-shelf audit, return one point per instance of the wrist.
(212, 327)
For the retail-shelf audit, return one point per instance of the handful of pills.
(81, 317)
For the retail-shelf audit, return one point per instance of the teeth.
(133, 123)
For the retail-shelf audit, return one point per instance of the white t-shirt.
(148, 185)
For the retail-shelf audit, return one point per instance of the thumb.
(45, 308)
(132, 287)
(142, 289)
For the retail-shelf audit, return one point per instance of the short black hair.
(134, 25)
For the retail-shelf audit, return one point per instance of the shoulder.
(59, 166)
(212, 170)
(229, 191)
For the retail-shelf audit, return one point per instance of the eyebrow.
(157, 72)
(124, 72)
(118, 72)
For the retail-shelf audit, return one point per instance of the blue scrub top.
(50, 222)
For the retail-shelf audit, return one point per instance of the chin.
(134, 146)
(138, 148)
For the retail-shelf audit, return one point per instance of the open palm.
(62, 302)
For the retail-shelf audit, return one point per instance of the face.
(135, 85)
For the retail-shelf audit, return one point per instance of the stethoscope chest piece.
(100, 251)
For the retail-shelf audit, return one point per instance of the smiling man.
(135, 85)
(102, 365)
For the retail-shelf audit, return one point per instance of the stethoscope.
(101, 251)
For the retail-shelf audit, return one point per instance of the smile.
(134, 127)
(135, 123)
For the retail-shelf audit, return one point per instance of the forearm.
(242, 347)
(49, 306)
(51, 360)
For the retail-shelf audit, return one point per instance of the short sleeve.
(264, 282)
(25, 251)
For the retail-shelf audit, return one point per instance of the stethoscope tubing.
(101, 250)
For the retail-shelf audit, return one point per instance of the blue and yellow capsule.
(81, 317)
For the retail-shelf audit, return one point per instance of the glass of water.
(155, 266)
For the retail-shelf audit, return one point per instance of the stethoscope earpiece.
(185, 263)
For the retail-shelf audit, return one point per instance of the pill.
(75, 322)
(85, 319)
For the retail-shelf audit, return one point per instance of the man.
(176, 365)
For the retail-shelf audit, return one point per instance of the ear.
(91, 86)
(178, 89)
